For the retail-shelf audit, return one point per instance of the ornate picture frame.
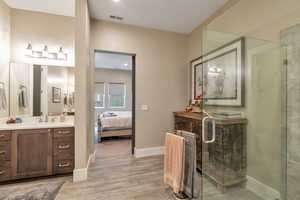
(220, 75)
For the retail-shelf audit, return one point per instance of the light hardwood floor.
(113, 147)
(116, 175)
(119, 176)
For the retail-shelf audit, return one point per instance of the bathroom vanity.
(34, 150)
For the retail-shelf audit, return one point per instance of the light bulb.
(29, 50)
(45, 52)
(61, 55)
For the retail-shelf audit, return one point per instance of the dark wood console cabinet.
(191, 122)
(225, 160)
(36, 152)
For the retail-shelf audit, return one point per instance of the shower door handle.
(213, 131)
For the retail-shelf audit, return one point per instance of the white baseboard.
(82, 174)
(262, 190)
(145, 152)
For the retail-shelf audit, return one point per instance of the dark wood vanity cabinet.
(5, 155)
(31, 153)
(225, 160)
(37, 152)
(191, 122)
(63, 151)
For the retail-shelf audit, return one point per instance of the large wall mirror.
(37, 90)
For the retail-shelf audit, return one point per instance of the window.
(99, 95)
(116, 95)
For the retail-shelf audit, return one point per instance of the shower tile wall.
(290, 40)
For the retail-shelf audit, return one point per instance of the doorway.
(114, 103)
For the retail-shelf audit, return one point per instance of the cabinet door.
(197, 129)
(32, 153)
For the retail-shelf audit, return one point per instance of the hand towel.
(23, 98)
(174, 162)
(3, 102)
(191, 182)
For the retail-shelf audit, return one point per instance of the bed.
(115, 123)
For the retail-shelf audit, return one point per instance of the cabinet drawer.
(63, 132)
(5, 136)
(64, 148)
(61, 166)
(5, 151)
(5, 171)
(183, 124)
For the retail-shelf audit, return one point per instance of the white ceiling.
(180, 16)
(113, 61)
(57, 7)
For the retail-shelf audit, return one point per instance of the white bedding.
(122, 120)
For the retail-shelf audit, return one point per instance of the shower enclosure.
(272, 111)
(290, 45)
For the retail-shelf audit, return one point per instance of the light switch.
(145, 107)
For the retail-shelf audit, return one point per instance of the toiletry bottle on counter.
(62, 118)
(18, 120)
(46, 118)
(10, 121)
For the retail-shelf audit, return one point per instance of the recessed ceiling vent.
(116, 17)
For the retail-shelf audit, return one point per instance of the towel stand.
(190, 180)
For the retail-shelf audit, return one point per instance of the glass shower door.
(290, 43)
(241, 151)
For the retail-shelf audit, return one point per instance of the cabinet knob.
(2, 152)
(63, 132)
(67, 146)
(61, 165)
(2, 136)
(2, 172)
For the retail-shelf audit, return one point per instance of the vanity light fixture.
(61, 55)
(45, 54)
(214, 70)
(116, 0)
(29, 50)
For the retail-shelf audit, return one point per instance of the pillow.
(109, 114)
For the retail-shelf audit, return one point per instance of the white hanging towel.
(3, 102)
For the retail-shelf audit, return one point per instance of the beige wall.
(4, 50)
(83, 87)
(247, 18)
(41, 29)
(161, 74)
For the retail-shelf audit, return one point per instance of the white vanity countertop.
(36, 125)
